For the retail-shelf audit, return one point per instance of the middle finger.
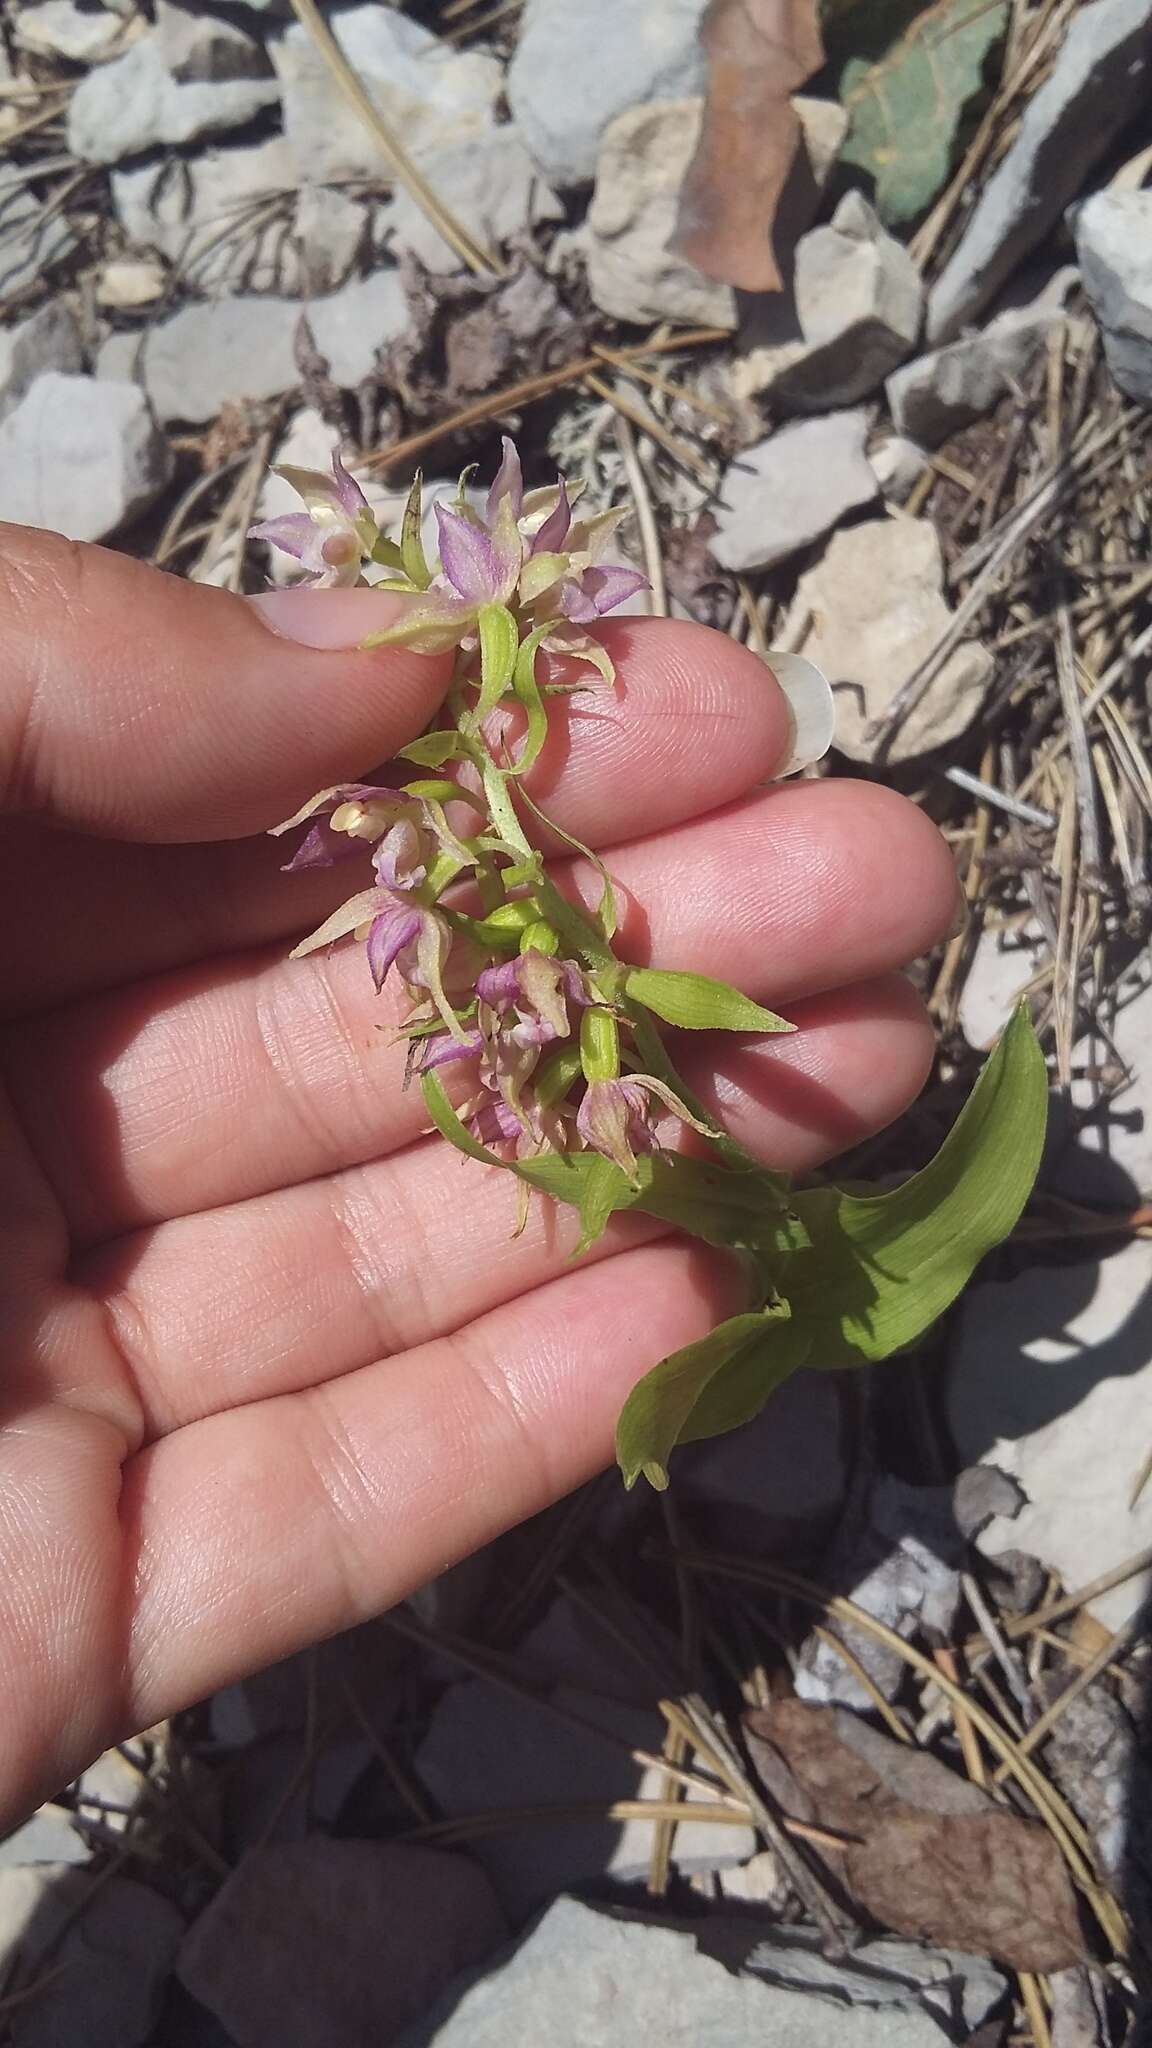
(258, 1073)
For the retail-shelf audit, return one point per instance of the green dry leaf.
(905, 110)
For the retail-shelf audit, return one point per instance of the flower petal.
(349, 496)
(329, 799)
(397, 859)
(294, 533)
(392, 930)
(441, 1052)
(468, 558)
(554, 531)
(321, 848)
(609, 587)
(508, 481)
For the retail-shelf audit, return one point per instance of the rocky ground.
(847, 1738)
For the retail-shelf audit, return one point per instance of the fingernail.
(328, 618)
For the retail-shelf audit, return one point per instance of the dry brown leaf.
(931, 1855)
(759, 54)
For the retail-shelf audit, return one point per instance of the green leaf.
(600, 1196)
(904, 112)
(735, 1211)
(721, 1380)
(694, 1002)
(434, 749)
(411, 546)
(882, 1268)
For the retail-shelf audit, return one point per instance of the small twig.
(645, 517)
(512, 396)
(993, 1636)
(1028, 814)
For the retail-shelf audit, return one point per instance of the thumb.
(136, 705)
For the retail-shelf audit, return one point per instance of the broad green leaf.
(434, 749)
(882, 1268)
(694, 1002)
(411, 546)
(904, 111)
(690, 1394)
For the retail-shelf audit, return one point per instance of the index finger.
(141, 707)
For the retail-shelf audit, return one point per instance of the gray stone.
(350, 326)
(206, 49)
(784, 493)
(204, 357)
(962, 1990)
(331, 233)
(858, 301)
(1099, 81)
(486, 1750)
(632, 272)
(1114, 243)
(583, 1978)
(314, 1942)
(47, 1837)
(217, 217)
(48, 340)
(489, 184)
(31, 240)
(1003, 965)
(899, 465)
(576, 68)
(59, 28)
(1050, 1373)
(898, 1554)
(940, 393)
(876, 605)
(104, 1974)
(80, 456)
(431, 95)
(134, 104)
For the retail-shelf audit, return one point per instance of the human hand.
(273, 1356)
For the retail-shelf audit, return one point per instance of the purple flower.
(537, 988)
(337, 533)
(615, 1117)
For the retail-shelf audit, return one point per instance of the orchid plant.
(567, 1078)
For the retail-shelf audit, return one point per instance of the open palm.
(272, 1356)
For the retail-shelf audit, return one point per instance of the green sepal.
(412, 554)
(705, 1388)
(436, 792)
(388, 555)
(448, 1123)
(499, 646)
(434, 749)
(882, 1268)
(694, 1002)
(527, 691)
